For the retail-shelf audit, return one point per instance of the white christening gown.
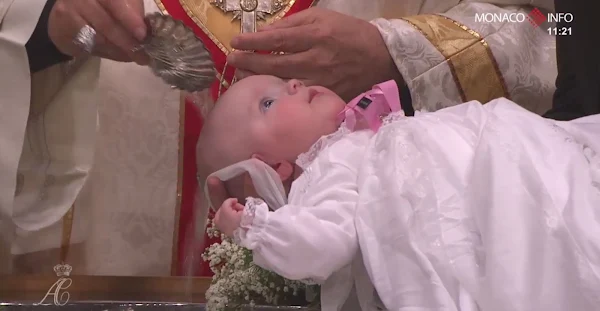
(474, 207)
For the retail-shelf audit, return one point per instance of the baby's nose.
(294, 85)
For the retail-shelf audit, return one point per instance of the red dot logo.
(536, 17)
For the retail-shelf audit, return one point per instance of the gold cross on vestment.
(249, 11)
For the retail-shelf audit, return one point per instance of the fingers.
(112, 39)
(270, 64)
(103, 23)
(228, 216)
(291, 40)
(123, 25)
(111, 52)
(230, 203)
(130, 14)
(302, 18)
(63, 25)
(217, 191)
(237, 206)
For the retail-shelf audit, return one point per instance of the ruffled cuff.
(254, 220)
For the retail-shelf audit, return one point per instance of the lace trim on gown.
(249, 233)
(305, 159)
(393, 117)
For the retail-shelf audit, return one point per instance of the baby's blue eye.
(266, 104)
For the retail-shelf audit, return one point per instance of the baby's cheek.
(288, 116)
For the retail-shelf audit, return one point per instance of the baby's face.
(285, 117)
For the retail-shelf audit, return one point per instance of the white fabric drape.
(17, 21)
(474, 207)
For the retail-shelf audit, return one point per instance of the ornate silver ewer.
(177, 55)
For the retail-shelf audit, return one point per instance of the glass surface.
(127, 218)
(106, 164)
(130, 307)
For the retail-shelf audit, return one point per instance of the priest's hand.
(119, 27)
(343, 53)
(229, 216)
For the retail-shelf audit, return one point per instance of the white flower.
(237, 280)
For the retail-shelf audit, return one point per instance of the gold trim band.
(161, 7)
(177, 214)
(66, 234)
(473, 66)
(197, 8)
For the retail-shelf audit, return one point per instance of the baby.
(473, 207)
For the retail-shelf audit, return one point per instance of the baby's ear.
(284, 169)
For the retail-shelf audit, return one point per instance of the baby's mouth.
(312, 93)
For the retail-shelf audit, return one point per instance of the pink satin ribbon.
(373, 105)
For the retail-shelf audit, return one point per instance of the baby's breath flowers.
(237, 281)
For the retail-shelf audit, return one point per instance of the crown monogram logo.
(63, 270)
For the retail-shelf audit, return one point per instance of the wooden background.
(23, 288)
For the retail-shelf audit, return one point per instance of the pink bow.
(373, 105)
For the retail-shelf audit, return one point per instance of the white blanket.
(474, 207)
(483, 208)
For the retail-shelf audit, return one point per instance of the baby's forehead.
(247, 91)
(255, 84)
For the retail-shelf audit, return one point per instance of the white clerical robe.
(127, 208)
(439, 43)
(47, 136)
(132, 190)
